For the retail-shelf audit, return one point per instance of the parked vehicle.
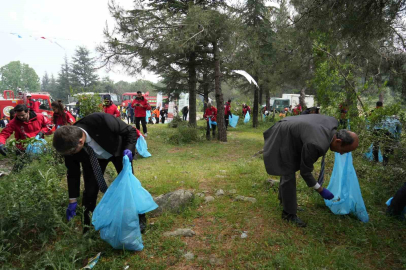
(8, 101)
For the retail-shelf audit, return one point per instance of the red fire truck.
(8, 101)
(128, 98)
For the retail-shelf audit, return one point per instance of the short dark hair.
(12, 114)
(139, 92)
(229, 100)
(66, 139)
(20, 108)
(345, 137)
(379, 104)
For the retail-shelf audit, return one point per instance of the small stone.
(155, 177)
(245, 199)
(219, 192)
(232, 191)
(215, 261)
(168, 161)
(180, 232)
(219, 176)
(189, 256)
(271, 183)
(244, 235)
(209, 199)
(201, 195)
(223, 171)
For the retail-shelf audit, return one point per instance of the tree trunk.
(222, 133)
(267, 97)
(261, 86)
(206, 86)
(381, 95)
(255, 110)
(302, 97)
(404, 87)
(192, 89)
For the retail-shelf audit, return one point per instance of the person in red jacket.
(245, 109)
(61, 116)
(109, 107)
(26, 124)
(210, 113)
(140, 105)
(32, 105)
(227, 112)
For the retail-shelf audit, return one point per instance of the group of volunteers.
(292, 144)
(210, 115)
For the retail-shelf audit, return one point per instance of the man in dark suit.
(295, 144)
(95, 139)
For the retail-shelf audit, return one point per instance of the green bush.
(177, 121)
(31, 201)
(186, 134)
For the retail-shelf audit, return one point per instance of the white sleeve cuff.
(317, 186)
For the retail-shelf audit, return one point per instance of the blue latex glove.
(3, 150)
(129, 154)
(71, 211)
(326, 194)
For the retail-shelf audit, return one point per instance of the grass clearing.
(329, 241)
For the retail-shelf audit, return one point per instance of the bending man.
(93, 141)
(295, 144)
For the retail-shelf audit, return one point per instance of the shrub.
(177, 121)
(186, 134)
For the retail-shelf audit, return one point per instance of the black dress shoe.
(293, 219)
(143, 222)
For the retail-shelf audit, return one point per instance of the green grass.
(329, 241)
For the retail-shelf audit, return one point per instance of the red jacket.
(140, 111)
(33, 105)
(111, 109)
(227, 110)
(59, 121)
(245, 110)
(23, 130)
(211, 112)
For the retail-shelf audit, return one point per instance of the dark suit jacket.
(109, 132)
(112, 134)
(295, 143)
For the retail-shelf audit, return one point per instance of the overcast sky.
(68, 23)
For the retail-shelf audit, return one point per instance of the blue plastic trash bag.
(148, 115)
(345, 187)
(212, 122)
(36, 148)
(116, 215)
(142, 147)
(247, 118)
(369, 155)
(233, 120)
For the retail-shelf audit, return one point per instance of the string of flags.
(52, 40)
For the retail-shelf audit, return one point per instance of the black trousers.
(208, 129)
(184, 117)
(398, 202)
(143, 122)
(385, 137)
(287, 193)
(91, 190)
(226, 121)
(156, 120)
(163, 120)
